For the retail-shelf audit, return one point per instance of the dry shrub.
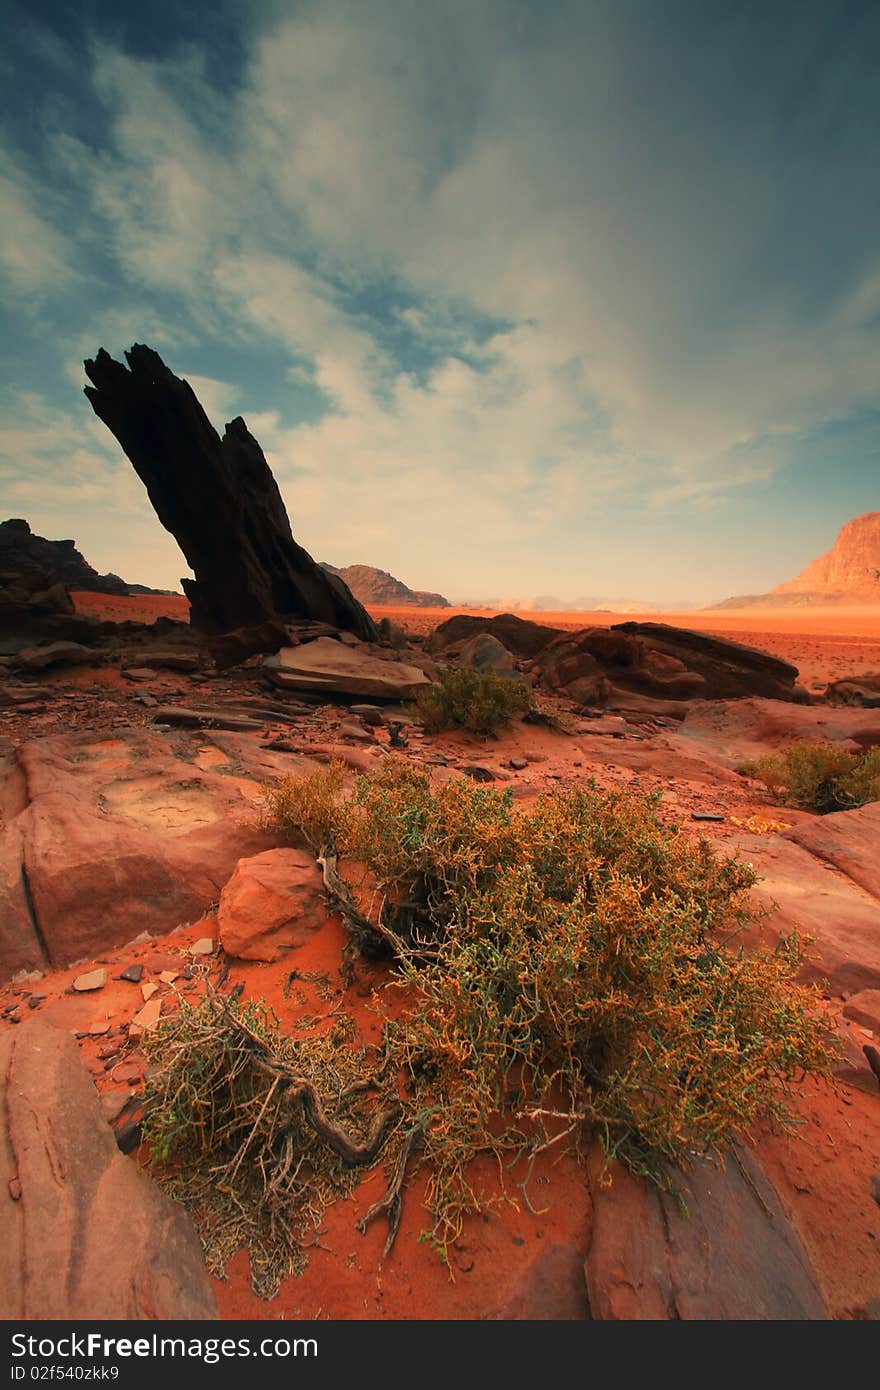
(575, 968)
(820, 777)
(479, 701)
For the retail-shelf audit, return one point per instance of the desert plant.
(820, 777)
(572, 968)
(479, 701)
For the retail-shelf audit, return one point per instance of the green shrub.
(570, 969)
(820, 777)
(476, 700)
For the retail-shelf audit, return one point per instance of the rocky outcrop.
(851, 568)
(519, 635)
(33, 564)
(105, 838)
(84, 1232)
(862, 691)
(330, 667)
(651, 661)
(848, 573)
(728, 1252)
(219, 500)
(373, 586)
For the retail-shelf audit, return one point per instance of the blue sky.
(560, 298)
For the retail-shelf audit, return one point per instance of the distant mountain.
(848, 573)
(372, 586)
(550, 603)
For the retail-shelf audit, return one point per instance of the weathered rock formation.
(102, 839)
(87, 1235)
(848, 573)
(219, 500)
(332, 667)
(728, 1252)
(370, 585)
(519, 635)
(31, 564)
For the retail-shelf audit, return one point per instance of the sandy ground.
(825, 644)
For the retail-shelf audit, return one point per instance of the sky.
(562, 298)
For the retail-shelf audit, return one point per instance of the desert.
(439, 681)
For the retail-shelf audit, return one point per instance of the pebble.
(92, 979)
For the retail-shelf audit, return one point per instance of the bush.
(476, 700)
(572, 969)
(820, 777)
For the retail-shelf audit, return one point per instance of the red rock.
(92, 1236)
(864, 1008)
(274, 900)
(552, 1289)
(847, 840)
(732, 1255)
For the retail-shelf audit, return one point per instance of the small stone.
(133, 973)
(356, 732)
(35, 1001)
(148, 990)
(139, 673)
(518, 764)
(479, 773)
(92, 979)
(146, 1020)
(14, 1186)
(98, 1028)
(168, 976)
(370, 714)
(205, 946)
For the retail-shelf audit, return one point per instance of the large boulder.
(650, 661)
(329, 667)
(219, 500)
(519, 635)
(84, 1232)
(726, 1252)
(273, 902)
(106, 838)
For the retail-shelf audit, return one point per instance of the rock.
(53, 654)
(739, 731)
(355, 731)
(485, 653)
(853, 1068)
(518, 764)
(92, 1237)
(478, 772)
(370, 714)
(170, 660)
(864, 1008)
(552, 1289)
(218, 499)
(232, 648)
(847, 840)
(806, 896)
(733, 1255)
(148, 990)
(274, 901)
(519, 635)
(180, 718)
(204, 946)
(863, 691)
(103, 839)
(133, 973)
(45, 566)
(139, 673)
(145, 1020)
(328, 666)
(93, 979)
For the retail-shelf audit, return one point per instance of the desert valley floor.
(826, 1174)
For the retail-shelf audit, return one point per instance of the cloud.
(34, 257)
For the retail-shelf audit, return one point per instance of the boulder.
(332, 667)
(730, 670)
(728, 1253)
(519, 635)
(53, 654)
(273, 902)
(864, 1008)
(486, 654)
(219, 500)
(90, 1236)
(863, 691)
(39, 565)
(107, 838)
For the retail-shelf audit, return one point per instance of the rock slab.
(91, 1235)
(732, 1255)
